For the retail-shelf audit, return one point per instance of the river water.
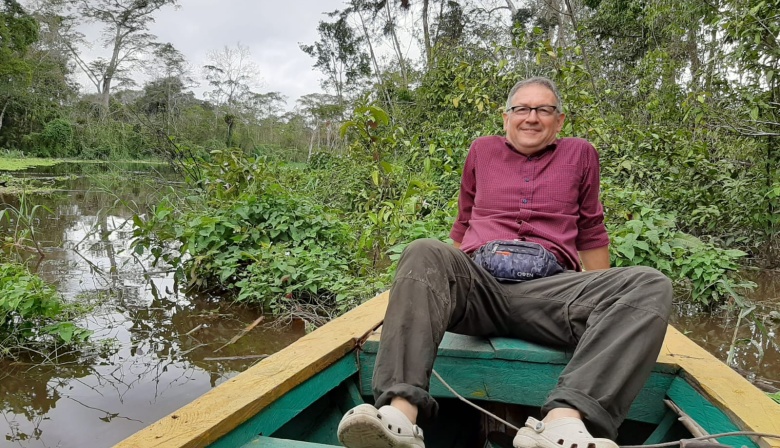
(157, 348)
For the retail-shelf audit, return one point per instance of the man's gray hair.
(540, 81)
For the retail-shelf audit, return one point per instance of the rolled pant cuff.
(598, 420)
(427, 407)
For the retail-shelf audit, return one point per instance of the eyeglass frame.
(513, 110)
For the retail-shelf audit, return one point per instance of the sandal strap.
(535, 424)
(561, 434)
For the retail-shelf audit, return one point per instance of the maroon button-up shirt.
(550, 198)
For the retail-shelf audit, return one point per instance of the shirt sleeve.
(591, 231)
(468, 190)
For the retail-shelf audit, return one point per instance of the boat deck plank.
(518, 350)
(270, 442)
(458, 345)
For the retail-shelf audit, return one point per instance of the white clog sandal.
(365, 426)
(561, 433)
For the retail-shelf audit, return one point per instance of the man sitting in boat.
(530, 261)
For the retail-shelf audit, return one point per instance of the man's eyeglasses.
(524, 111)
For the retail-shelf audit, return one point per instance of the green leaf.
(387, 168)
(379, 115)
(627, 250)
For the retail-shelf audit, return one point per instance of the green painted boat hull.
(509, 377)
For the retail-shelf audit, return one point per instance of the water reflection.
(756, 347)
(156, 348)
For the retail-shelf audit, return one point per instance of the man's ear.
(561, 119)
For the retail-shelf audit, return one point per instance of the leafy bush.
(57, 137)
(32, 313)
(267, 246)
(643, 235)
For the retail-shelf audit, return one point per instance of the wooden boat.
(296, 397)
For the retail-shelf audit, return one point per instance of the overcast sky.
(271, 30)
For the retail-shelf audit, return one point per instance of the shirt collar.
(549, 148)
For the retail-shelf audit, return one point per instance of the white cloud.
(272, 30)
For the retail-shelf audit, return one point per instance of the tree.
(124, 33)
(444, 28)
(18, 30)
(265, 105)
(170, 77)
(339, 56)
(383, 7)
(232, 74)
(322, 111)
(753, 28)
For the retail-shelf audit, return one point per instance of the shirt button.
(525, 201)
(527, 179)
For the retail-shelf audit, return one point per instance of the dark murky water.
(756, 347)
(159, 349)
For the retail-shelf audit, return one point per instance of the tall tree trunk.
(373, 59)
(396, 44)
(108, 76)
(714, 45)
(579, 40)
(559, 14)
(311, 142)
(168, 106)
(105, 97)
(692, 46)
(427, 34)
(2, 113)
(512, 8)
(230, 120)
(438, 28)
(339, 82)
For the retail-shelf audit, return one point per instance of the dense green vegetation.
(32, 315)
(308, 209)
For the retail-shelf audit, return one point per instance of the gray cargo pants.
(614, 319)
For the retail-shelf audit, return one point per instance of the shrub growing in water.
(32, 314)
(268, 247)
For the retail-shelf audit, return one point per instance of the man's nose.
(533, 116)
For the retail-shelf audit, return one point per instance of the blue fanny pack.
(516, 260)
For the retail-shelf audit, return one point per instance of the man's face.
(532, 132)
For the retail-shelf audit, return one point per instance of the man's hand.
(456, 244)
(595, 259)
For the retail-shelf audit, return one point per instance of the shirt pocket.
(562, 184)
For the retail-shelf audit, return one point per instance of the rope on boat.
(681, 442)
(488, 413)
